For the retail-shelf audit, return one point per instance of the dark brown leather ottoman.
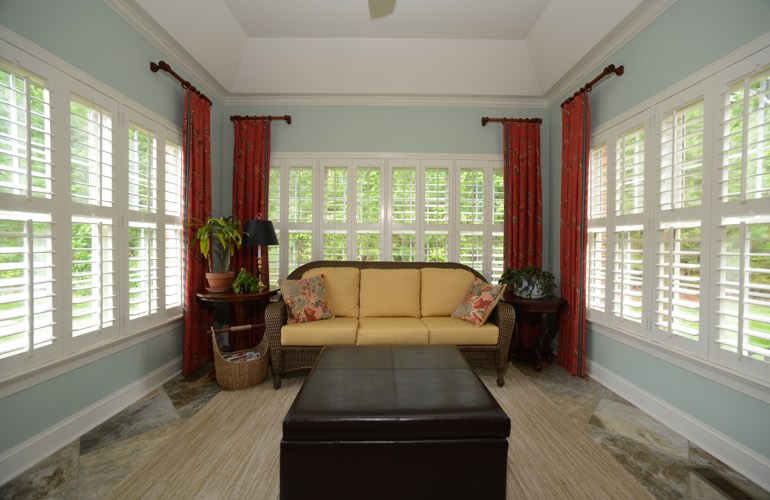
(396, 423)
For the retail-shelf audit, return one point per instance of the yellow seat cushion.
(442, 290)
(390, 293)
(391, 331)
(335, 331)
(453, 331)
(341, 289)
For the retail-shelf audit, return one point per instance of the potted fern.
(225, 233)
(529, 282)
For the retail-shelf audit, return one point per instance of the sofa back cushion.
(390, 292)
(442, 290)
(341, 289)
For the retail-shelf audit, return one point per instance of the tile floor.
(665, 462)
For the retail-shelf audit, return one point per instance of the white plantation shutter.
(404, 246)
(335, 194)
(94, 276)
(26, 223)
(436, 200)
(743, 299)
(629, 172)
(746, 142)
(173, 266)
(334, 218)
(91, 154)
(274, 215)
(300, 198)
(497, 256)
(596, 269)
(335, 245)
(597, 258)
(25, 137)
(681, 157)
(142, 170)
(366, 221)
(173, 233)
(743, 232)
(26, 288)
(679, 249)
(472, 217)
(472, 249)
(628, 261)
(404, 186)
(173, 180)
(143, 272)
(678, 282)
(94, 257)
(368, 195)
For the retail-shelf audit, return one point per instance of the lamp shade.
(260, 233)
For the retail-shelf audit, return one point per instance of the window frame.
(65, 83)
(711, 84)
(386, 162)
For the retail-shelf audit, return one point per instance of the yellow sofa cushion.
(442, 290)
(390, 293)
(335, 331)
(341, 289)
(453, 331)
(391, 331)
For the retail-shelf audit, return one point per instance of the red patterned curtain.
(197, 207)
(523, 206)
(576, 137)
(251, 175)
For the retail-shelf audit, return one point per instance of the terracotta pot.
(220, 282)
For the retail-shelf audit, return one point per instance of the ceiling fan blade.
(381, 8)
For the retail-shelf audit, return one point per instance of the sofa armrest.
(275, 318)
(504, 316)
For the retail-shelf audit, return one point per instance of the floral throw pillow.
(479, 302)
(305, 299)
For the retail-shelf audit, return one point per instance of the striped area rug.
(230, 449)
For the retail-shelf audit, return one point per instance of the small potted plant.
(529, 282)
(226, 234)
(245, 282)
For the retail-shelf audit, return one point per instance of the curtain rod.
(486, 119)
(154, 67)
(607, 71)
(268, 117)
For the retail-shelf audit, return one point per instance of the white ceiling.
(501, 48)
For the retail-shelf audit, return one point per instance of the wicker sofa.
(389, 303)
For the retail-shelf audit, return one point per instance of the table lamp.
(260, 233)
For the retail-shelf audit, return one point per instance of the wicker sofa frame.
(290, 358)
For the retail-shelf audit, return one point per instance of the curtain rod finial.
(484, 120)
(288, 119)
(154, 67)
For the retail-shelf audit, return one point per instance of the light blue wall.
(42, 406)
(690, 35)
(90, 36)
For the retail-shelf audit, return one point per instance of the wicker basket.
(236, 375)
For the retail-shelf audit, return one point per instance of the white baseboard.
(744, 460)
(23, 456)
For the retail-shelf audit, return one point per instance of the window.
(90, 251)
(388, 208)
(683, 260)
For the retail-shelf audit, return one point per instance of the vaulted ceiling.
(500, 48)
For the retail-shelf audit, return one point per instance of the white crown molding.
(152, 32)
(635, 22)
(385, 100)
